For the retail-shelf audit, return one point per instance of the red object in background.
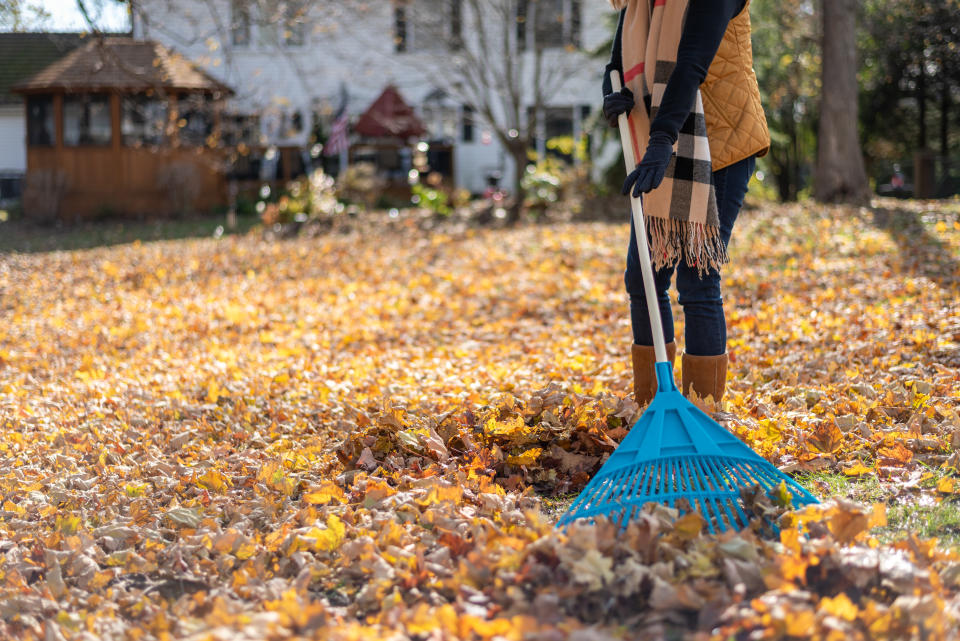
(390, 117)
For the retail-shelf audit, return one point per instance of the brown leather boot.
(644, 372)
(704, 380)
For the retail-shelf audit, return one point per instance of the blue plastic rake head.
(676, 451)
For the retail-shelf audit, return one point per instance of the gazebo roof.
(24, 54)
(125, 64)
(389, 117)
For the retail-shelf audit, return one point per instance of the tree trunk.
(945, 117)
(922, 101)
(518, 152)
(841, 176)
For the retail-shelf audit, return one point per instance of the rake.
(675, 454)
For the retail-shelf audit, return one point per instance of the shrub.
(435, 200)
(360, 183)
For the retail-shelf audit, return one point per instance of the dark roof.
(123, 63)
(24, 54)
(389, 117)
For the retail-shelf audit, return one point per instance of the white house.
(22, 55)
(289, 62)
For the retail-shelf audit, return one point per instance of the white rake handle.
(649, 288)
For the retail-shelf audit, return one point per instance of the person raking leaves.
(698, 127)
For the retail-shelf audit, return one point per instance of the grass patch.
(920, 512)
(938, 520)
(23, 237)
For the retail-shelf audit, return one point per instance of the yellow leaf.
(275, 477)
(781, 496)
(857, 469)
(322, 495)
(438, 494)
(134, 490)
(948, 485)
(68, 524)
(246, 550)
(213, 480)
(214, 392)
(527, 458)
(689, 525)
(324, 539)
(800, 623)
(10, 506)
(840, 606)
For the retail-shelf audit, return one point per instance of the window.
(11, 187)
(291, 124)
(196, 121)
(428, 25)
(241, 130)
(575, 23)
(400, 28)
(240, 23)
(557, 121)
(549, 23)
(523, 10)
(86, 120)
(554, 122)
(294, 16)
(144, 121)
(40, 131)
(467, 124)
(456, 24)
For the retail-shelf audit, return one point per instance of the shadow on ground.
(922, 253)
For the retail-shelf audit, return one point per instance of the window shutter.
(576, 22)
(522, 14)
(456, 24)
(400, 28)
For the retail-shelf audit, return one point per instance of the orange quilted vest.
(736, 125)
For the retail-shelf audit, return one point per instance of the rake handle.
(649, 287)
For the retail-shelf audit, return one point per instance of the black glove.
(649, 173)
(617, 103)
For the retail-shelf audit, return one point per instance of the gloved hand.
(617, 103)
(649, 173)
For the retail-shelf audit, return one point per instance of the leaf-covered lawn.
(369, 435)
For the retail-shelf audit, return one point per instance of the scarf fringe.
(698, 243)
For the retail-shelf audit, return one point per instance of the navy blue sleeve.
(616, 58)
(703, 31)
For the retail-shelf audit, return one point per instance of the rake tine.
(721, 473)
(689, 477)
(637, 485)
(608, 491)
(744, 479)
(705, 513)
(710, 484)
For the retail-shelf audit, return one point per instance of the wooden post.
(173, 118)
(217, 108)
(115, 117)
(58, 121)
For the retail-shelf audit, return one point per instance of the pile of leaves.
(369, 436)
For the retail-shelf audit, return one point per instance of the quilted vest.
(736, 125)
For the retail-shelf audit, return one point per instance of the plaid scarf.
(681, 214)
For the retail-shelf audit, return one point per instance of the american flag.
(337, 141)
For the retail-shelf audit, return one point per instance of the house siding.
(13, 133)
(274, 79)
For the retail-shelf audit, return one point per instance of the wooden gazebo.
(122, 127)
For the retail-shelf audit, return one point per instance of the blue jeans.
(706, 327)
